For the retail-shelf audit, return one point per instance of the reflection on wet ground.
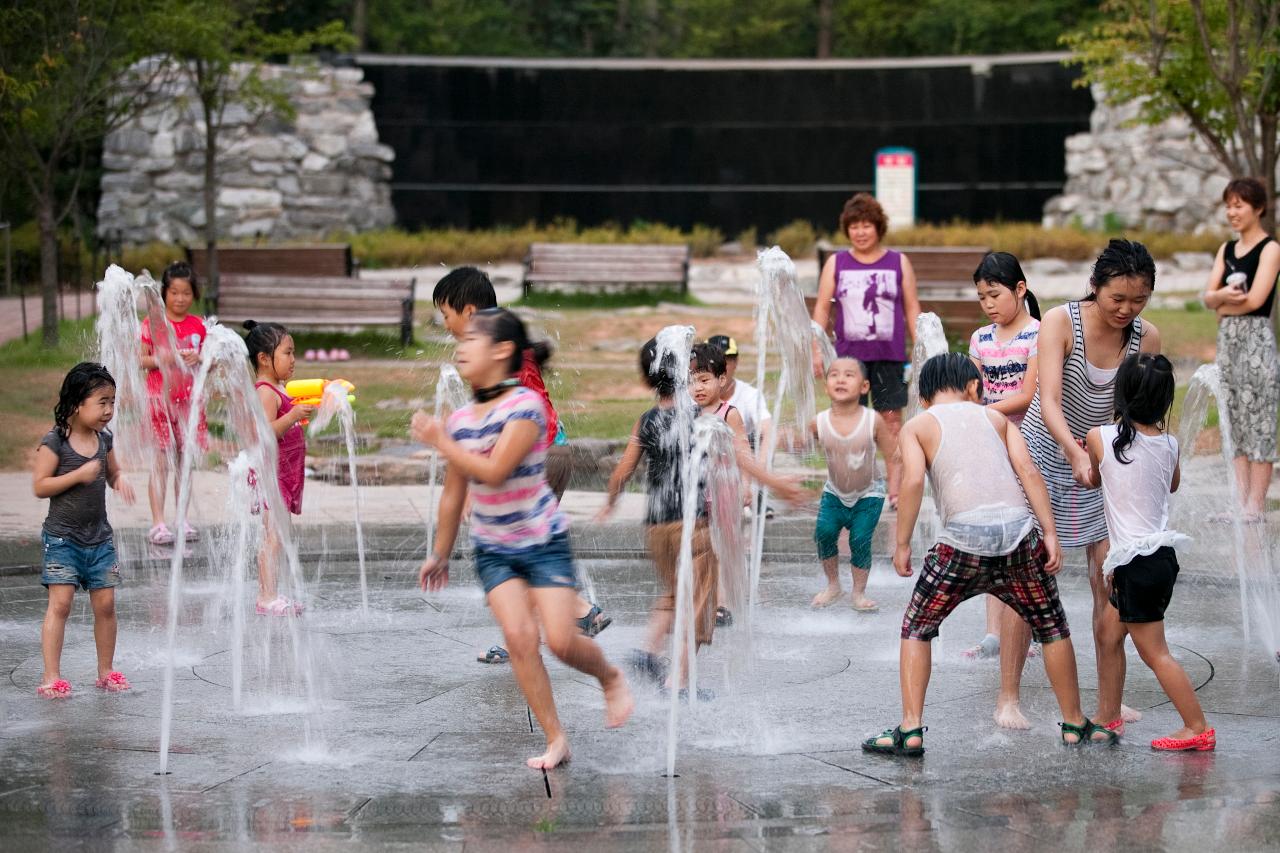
(418, 745)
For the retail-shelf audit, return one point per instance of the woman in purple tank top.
(873, 292)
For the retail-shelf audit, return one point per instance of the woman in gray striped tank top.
(1081, 346)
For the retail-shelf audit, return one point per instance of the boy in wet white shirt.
(848, 434)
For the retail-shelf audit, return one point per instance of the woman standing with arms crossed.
(1242, 289)
(876, 305)
(1081, 346)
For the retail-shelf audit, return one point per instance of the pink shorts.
(166, 423)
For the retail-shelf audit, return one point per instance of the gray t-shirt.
(80, 512)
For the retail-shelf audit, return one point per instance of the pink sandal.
(160, 535)
(280, 607)
(60, 689)
(1206, 741)
(113, 682)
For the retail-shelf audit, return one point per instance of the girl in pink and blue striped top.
(497, 447)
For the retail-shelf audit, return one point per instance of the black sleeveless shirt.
(1249, 266)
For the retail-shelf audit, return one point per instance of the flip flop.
(60, 689)
(113, 682)
(496, 654)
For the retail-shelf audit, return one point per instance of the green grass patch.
(579, 300)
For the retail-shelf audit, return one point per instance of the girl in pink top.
(1005, 354)
(271, 351)
(497, 447)
(169, 363)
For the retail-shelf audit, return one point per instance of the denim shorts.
(542, 566)
(85, 566)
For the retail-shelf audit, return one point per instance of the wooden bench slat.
(596, 263)
(318, 302)
(298, 259)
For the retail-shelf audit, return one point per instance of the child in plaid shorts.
(982, 478)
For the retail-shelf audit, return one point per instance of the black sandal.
(899, 740)
(496, 654)
(1084, 734)
(594, 622)
(723, 617)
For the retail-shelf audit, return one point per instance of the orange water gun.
(309, 392)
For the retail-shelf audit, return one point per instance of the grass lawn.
(593, 376)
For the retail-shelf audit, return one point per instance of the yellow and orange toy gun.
(309, 392)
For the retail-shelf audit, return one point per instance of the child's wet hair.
(263, 339)
(862, 368)
(178, 270)
(1145, 386)
(500, 325)
(707, 358)
(1003, 268)
(463, 287)
(77, 386)
(948, 371)
(1121, 259)
(662, 377)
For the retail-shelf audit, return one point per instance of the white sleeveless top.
(851, 459)
(980, 502)
(1135, 496)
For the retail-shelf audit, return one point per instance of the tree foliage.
(1215, 62)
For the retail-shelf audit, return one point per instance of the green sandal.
(1084, 734)
(899, 745)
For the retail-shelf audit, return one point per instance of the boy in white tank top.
(980, 470)
(849, 434)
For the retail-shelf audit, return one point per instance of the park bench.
(944, 282)
(606, 267)
(296, 259)
(329, 302)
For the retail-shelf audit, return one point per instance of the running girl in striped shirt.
(497, 447)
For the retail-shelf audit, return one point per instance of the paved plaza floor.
(419, 746)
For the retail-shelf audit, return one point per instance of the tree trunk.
(824, 28)
(211, 201)
(1270, 153)
(48, 224)
(360, 23)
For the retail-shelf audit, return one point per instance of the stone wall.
(321, 171)
(1159, 177)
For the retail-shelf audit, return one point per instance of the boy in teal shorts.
(849, 434)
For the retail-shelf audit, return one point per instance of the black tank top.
(1249, 266)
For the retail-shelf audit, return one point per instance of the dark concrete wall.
(727, 144)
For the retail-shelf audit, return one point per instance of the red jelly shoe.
(1203, 742)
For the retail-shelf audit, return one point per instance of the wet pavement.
(417, 745)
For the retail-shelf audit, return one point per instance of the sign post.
(896, 185)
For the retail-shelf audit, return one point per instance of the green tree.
(61, 70)
(221, 48)
(1216, 62)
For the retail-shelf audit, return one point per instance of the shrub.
(796, 239)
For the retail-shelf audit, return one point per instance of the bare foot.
(1129, 715)
(618, 702)
(557, 753)
(865, 605)
(827, 597)
(1009, 716)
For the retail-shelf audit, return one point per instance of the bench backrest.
(604, 263)
(309, 260)
(935, 266)
(302, 301)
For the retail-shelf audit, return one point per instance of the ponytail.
(501, 325)
(1003, 268)
(1144, 392)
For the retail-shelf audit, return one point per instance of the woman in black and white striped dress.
(1081, 346)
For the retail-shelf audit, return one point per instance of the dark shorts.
(860, 520)
(948, 577)
(888, 387)
(86, 566)
(542, 566)
(1142, 588)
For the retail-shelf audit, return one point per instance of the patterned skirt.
(1250, 372)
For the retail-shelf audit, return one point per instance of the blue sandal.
(496, 654)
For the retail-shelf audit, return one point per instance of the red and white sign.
(896, 185)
